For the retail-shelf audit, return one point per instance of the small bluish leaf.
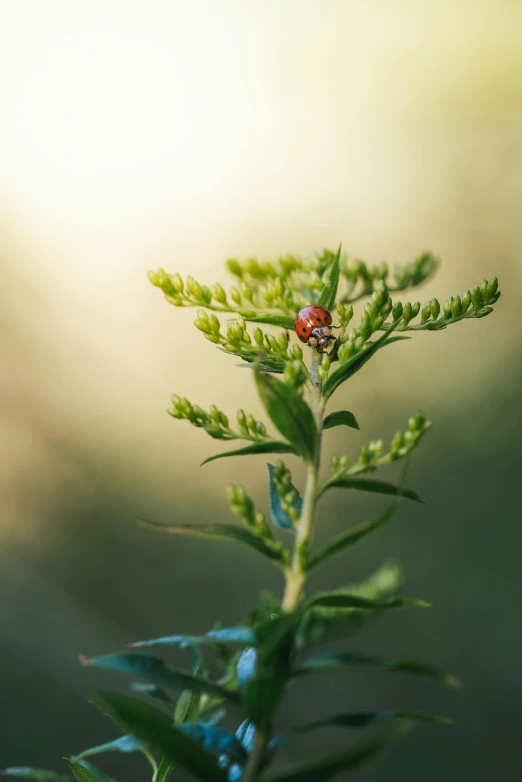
(86, 772)
(246, 666)
(334, 763)
(154, 727)
(123, 744)
(216, 740)
(354, 364)
(350, 538)
(229, 532)
(343, 600)
(246, 734)
(265, 446)
(278, 515)
(340, 418)
(35, 774)
(372, 485)
(225, 635)
(329, 292)
(334, 661)
(155, 671)
(289, 413)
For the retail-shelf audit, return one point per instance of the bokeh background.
(139, 134)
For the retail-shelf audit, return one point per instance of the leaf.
(246, 666)
(289, 413)
(265, 446)
(155, 671)
(334, 763)
(334, 661)
(122, 744)
(157, 693)
(329, 292)
(284, 321)
(164, 771)
(350, 538)
(215, 739)
(343, 600)
(86, 772)
(35, 774)
(270, 363)
(152, 726)
(340, 418)
(357, 362)
(360, 719)
(225, 635)
(372, 485)
(278, 515)
(262, 696)
(220, 532)
(187, 707)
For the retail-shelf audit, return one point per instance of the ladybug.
(312, 325)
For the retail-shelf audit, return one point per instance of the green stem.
(296, 574)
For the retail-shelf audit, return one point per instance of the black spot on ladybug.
(303, 330)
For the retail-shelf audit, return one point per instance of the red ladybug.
(312, 325)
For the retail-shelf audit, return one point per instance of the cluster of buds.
(364, 279)
(344, 313)
(374, 314)
(243, 507)
(415, 272)
(472, 304)
(216, 423)
(288, 494)
(295, 372)
(373, 455)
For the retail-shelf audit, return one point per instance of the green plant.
(269, 652)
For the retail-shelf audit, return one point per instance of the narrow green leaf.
(122, 744)
(277, 514)
(350, 538)
(327, 767)
(215, 739)
(340, 418)
(329, 292)
(220, 532)
(155, 692)
(334, 661)
(372, 485)
(262, 696)
(265, 446)
(165, 768)
(155, 671)
(342, 600)
(187, 707)
(357, 362)
(284, 321)
(150, 725)
(35, 774)
(270, 363)
(289, 413)
(86, 772)
(361, 719)
(243, 636)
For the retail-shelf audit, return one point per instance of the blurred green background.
(135, 135)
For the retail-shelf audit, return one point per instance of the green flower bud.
(295, 352)
(448, 307)
(492, 287)
(415, 309)
(194, 288)
(397, 310)
(345, 352)
(456, 307)
(258, 336)
(219, 294)
(223, 420)
(407, 312)
(343, 462)
(160, 278)
(251, 423)
(235, 295)
(334, 463)
(214, 326)
(260, 429)
(426, 313)
(214, 414)
(465, 301)
(241, 419)
(283, 341)
(434, 308)
(271, 341)
(234, 267)
(476, 297)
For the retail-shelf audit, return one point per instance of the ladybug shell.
(310, 318)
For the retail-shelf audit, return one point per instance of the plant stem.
(296, 574)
